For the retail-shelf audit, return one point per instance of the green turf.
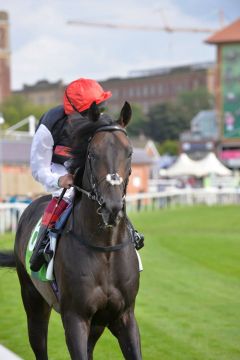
(188, 307)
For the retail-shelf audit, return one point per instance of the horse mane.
(82, 130)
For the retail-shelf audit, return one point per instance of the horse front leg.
(94, 335)
(126, 331)
(76, 333)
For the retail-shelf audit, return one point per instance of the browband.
(111, 128)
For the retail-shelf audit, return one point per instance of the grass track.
(188, 307)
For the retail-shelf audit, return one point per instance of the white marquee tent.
(211, 165)
(184, 166)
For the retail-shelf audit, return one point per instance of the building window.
(152, 90)
(131, 92)
(160, 89)
(115, 94)
(145, 90)
(137, 181)
(138, 92)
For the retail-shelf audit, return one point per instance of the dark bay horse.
(96, 266)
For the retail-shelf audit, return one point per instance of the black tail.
(7, 259)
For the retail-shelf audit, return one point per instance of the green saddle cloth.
(41, 274)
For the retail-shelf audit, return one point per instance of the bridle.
(113, 179)
(93, 194)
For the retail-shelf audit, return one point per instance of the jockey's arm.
(41, 160)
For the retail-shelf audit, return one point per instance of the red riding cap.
(81, 93)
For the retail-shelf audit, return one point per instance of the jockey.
(50, 151)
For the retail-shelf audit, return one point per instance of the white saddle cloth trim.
(140, 265)
(53, 243)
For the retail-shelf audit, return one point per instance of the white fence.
(9, 216)
(10, 213)
(183, 197)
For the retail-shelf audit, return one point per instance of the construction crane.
(166, 28)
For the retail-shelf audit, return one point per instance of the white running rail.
(10, 213)
(6, 354)
(9, 216)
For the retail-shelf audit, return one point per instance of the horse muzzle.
(111, 213)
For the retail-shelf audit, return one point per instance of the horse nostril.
(113, 208)
(116, 207)
(111, 212)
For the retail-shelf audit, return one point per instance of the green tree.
(138, 122)
(170, 147)
(16, 108)
(191, 102)
(165, 122)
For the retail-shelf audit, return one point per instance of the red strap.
(62, 150)
(49, 210)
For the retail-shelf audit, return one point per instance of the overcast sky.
(43, 46)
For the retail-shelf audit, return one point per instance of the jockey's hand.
(65, 181)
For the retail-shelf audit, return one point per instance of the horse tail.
(7, 259)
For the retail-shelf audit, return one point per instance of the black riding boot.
(138, 238)
(38, 259)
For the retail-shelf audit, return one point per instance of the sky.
(44, 46)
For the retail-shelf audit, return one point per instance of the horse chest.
(102, 292)
(103, 282)
(115, 292)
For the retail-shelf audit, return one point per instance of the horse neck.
(86, 213)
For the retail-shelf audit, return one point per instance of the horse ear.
(93, 112)
(125, 115)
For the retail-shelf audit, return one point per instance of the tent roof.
(211, 165)
(184, 166)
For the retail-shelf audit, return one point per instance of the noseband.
(113, 179)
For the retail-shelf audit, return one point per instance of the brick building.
(15, 174)
(4, 57)
(43, 92)
(145, 88)
(16, 177)
(152, 87)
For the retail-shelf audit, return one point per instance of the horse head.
(108, 163)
